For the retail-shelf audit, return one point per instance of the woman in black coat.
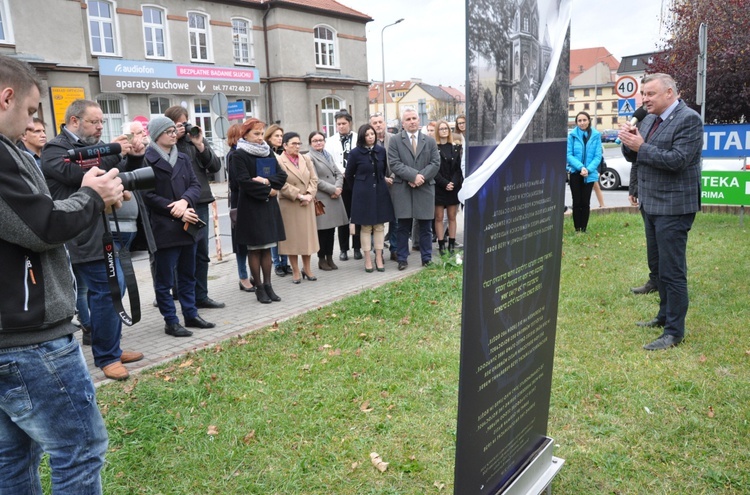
(447, 184)
(259, 224)
(371, 199)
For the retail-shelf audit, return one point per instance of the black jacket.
(203, 164)
(37, 298)
(172, 184)
(64, 179)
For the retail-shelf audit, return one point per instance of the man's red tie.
(653, 128)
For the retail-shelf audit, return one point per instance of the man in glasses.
(84, 123)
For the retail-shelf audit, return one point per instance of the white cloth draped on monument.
(474, 182)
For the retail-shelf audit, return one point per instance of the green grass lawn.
(298, 409)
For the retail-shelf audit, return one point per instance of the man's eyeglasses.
(94, 122)
(318, 141)
(171, 132)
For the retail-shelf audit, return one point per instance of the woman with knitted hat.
(175, 225)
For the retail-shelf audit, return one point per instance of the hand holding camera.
(107, 185)
(195, 134)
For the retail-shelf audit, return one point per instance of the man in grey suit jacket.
(667, 160)
(414, 161)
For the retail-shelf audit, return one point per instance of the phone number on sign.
(233, 87)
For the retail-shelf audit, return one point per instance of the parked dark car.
(609, 135)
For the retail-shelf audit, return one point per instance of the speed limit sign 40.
(626, 87)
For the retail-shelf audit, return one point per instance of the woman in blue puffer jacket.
(584, 156)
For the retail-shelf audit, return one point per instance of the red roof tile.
(455, 93)
(327, 5)
(585, 58)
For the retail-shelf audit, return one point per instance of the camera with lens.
(142, 179)
(86, 157)
(191, 129)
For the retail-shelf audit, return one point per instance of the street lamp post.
(382, 54)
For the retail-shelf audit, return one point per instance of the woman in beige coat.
(296, 200)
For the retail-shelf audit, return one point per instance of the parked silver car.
(617, 172)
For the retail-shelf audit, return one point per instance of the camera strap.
(126, 263)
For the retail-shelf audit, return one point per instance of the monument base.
(537, 476)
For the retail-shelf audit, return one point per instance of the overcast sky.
(436, 30)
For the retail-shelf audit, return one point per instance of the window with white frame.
(325, 47)
(6, 28)
(114, 116)
(102, 27)
(199, 36)
(328, 108)
(158, 105)
(242, 38)
(202, 116)
(155, 32)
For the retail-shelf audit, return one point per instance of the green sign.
(725, 188)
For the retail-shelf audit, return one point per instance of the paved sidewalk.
(243, 312)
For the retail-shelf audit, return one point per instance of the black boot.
(441, 246)
(260, 293)
(451, 245)
(270, 293)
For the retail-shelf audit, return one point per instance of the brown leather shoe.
(130, 357)
(116, 371)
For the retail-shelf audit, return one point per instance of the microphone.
(639, 114)
(92, 152)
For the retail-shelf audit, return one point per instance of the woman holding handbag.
(296, 200)
(330, 186)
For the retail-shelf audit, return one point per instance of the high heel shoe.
(308, 277)
(247, 289)
(368, 270)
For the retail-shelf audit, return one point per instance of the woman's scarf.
(170, 157)
(254, 149)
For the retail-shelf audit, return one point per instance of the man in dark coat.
(176, 227)
(84, 122)
(204, 162)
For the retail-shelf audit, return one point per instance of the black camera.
(141, 179)
(191, 129)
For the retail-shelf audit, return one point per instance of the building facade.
(293, 62)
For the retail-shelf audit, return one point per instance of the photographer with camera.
(83, 127)
(176, 226)
(191, 141)
(52, 405)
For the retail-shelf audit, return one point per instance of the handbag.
(320, 208)
(602, 166)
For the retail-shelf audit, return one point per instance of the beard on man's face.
(87, 140)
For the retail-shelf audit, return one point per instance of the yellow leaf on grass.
(186, 363)
(377, 461)
(249, 437)
(365, 406)
(711, 413)
(439, 485)
(212, 430)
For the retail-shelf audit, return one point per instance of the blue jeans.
(181, 258)
(241, 256)
(202, 259)
(666, 245)
(106, 326)
(392, 227)
(82, 300)
(278, 260)
(425, 239)
(48, 404)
